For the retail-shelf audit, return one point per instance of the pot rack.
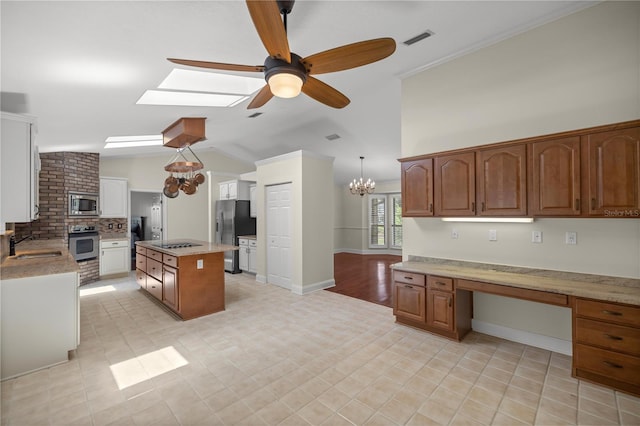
(185, 163)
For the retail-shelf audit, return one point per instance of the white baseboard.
(321, 285)
(532, 339)
(261, 278)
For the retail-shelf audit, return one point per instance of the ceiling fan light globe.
(285, 85)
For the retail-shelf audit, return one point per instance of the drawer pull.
(440, 283)
(577, 206)
(430, 207)
(609, 336)
(450, 302)
(614, 313)
(612, 364)
(408, 286)
(408, 278)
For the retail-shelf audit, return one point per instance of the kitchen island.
(186, 276)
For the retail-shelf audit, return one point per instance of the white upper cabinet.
(253, 207)
(20, 170)
(234, 190)
(114, 197)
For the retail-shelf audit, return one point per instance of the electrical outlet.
(199, 264)
(493, 235)
(454, 234)
(111, 226)
(536, 237)
(571, 238)
(119, 226)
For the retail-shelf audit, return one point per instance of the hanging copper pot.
(198, 178)
(168, 193)
(171, 183)
(188, 187)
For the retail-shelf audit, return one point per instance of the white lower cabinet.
(114, 257)
(40, 322)
(247, 255)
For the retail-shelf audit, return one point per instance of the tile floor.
(274, 358)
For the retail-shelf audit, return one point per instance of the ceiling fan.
(287, 73)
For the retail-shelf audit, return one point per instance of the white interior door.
(279, 233)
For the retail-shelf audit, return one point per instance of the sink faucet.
(13, 243)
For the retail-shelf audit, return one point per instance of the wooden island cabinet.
(592, 172)
(187, 280)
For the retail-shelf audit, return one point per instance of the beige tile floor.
(274, 358)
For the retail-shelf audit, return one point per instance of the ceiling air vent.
(419, 37)
(332, 137)
(255, 114)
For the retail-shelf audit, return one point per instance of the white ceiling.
(80, 66)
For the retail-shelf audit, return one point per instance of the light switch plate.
(454, 234)
(571, 238)
(536, 237)
(493, 235)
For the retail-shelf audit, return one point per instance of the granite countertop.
(607, 288)
(13, 267)
(204, 247)
(249, 237)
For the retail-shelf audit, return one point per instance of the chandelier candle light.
(361, 187)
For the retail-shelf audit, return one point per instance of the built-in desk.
(435, 295)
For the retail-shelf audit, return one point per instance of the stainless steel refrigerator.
(233, 218)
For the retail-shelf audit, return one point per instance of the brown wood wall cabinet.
(179, 284)
(592, 172)
(431, 303)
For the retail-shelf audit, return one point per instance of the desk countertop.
(606, 288)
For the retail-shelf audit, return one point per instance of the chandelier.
(361, 187)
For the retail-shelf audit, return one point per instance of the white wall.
(352, 220)
(187, 215)
(311, 176)
(576, 72)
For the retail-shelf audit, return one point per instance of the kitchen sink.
(39, 254)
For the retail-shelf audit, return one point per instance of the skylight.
(197, 88)
(133, 141)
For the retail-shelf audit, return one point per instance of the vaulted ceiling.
(80, 67)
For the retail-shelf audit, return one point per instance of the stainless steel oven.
(84, 242)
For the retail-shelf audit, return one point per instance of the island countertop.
(606, 288)
(198, 247)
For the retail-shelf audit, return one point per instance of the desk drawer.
(409, 278)
(611, 312)
(439, 283)
(617, 366)
(609, 336)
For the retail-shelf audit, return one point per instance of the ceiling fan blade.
(218, 65)
(349, 56)
(266, 18)
(263, 96)
(324, 93)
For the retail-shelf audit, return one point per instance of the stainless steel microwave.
(83, 204)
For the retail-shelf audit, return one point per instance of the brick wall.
(61, 173)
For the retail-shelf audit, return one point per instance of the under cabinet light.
(489, 219)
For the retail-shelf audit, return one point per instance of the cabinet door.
(113, 197)
(440, 309)
(243, 258)
(114, 260)
(455, 188)
(141, 278)
(253, 207)
(409, 302)
(555, 177)
(501, 175)
(16, 145)
(253, 259)
(170, 287)
(417, 188)
(224, 191)
(612, 163)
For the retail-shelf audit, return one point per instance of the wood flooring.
(364, 276)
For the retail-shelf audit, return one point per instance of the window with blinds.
(385, 221)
